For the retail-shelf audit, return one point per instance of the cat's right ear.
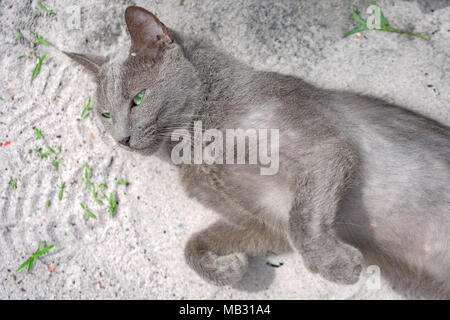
(149, 36)
(91, 62)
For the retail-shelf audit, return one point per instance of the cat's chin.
(144, 150)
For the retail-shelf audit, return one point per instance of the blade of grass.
(83, 114)
(40, 5)
(38, 65)
(13, 183)
(357, 18)
(362, 24)
(30, 264)
(382, 25)
(50, 149)
(354, 30)
(41, 154)
(17, 35)
(384, 22)
(55, 164)
(112, 203)
(43, 251)
(41, 40)
(61, 189)
(37, 253)
(95, 193)
(86, 176)
(26, 55)
(24, 264)
(38, 133)
(122, 181)
(86, 211)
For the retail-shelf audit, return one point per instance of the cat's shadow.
(259, 276)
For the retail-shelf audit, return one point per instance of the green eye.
(106, 114)
(137, 100)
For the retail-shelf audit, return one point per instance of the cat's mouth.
(128, 148)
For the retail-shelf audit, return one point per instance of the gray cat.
(358, 177)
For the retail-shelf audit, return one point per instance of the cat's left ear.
(91, 62)
(149, 36)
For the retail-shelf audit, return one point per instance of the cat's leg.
(311, 219)
(219, 253)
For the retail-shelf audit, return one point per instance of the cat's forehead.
(112, 74)
(113, 66)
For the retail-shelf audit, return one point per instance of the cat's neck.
(218, 71)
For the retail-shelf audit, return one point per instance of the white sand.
(99, 258)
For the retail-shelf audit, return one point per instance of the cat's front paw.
(221, 270)
(342, 264)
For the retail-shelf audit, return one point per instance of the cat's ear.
(91, 62)
(149, 36)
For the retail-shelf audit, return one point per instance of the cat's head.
(142, 92)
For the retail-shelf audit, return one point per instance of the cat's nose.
(125, 141)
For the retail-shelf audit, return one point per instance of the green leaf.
(354, 30)
(94, 193)
(24, 264)
(38, 133)
(359, 20)
(41, 154)
(50, 149)
(86, 211)
(86, 108)
(61, 189)
(112, 203)
(25, 55)
(86, 176)
(37, 253)
(40, 5)
(122, 181)
(41, 40)
(357, 17)
(55, 164)
(43, 251)
(38, 65)
(384, 22)
(30, 264)
(17, 34)
(13, 183)
(384, 25)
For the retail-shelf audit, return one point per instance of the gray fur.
(358, 176)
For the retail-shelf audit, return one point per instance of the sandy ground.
(138, 252)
